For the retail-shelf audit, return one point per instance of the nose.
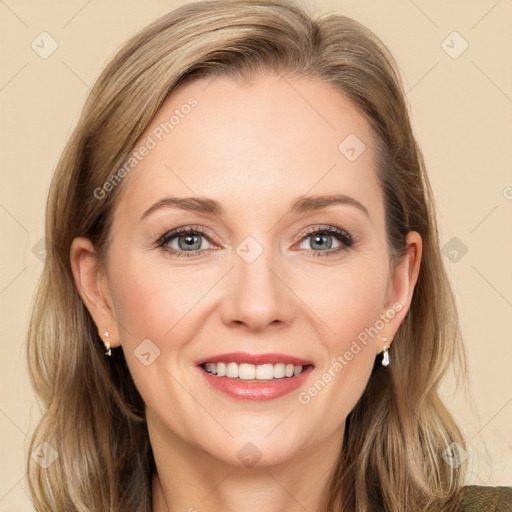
(257, 295)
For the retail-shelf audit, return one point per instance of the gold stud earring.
(108, 352)
(385, 354)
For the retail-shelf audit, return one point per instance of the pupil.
(323, 241)
(190, 241)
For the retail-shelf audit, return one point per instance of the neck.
(188, 479)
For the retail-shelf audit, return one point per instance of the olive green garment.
(476, 498)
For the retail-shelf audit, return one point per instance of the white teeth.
(232, 370)
(221, 369)
(246, 371)
(265, 371)
(279, 370)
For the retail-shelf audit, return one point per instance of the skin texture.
(254, 148)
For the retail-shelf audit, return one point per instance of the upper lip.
(256, 359)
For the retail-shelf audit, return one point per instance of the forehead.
(254, 143)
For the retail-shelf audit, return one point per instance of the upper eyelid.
(319, 228)
(173, 233)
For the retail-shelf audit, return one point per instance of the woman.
(244, 304)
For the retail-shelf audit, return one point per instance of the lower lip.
(256, 391)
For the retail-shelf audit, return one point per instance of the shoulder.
(479, 498)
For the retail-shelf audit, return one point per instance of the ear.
(401, 287)
(93, 287)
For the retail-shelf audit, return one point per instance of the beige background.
(462, 112)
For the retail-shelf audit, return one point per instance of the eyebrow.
(303, 204)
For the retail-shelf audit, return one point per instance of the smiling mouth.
(252, 372)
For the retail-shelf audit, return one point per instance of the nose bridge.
(257, 296)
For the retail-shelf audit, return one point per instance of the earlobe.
(92, 286)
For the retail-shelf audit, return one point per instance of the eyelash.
(341, 235)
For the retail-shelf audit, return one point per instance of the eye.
(192, 241)
(326, 240)
(185, 241)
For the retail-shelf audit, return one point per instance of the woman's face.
(269, 277)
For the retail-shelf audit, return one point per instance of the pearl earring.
(108, 352)
(385, 354)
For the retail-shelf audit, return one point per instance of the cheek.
(156, 303)
(150, 299)
(152, 307)
(347, 300)
(349, 304)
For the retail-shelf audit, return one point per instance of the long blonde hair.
(94, 416)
